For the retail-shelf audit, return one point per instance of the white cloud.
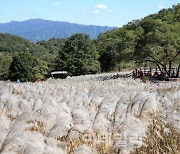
(56, 3)
(100, 6)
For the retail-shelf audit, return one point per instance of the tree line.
(154, 40)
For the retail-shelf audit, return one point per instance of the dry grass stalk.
(162, 139)
(93, 141)
(38, 126)
(168, 89)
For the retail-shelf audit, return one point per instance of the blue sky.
(89, 12)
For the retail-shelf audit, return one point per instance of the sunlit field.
(88, 115)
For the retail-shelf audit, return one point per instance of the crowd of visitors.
(150, 76)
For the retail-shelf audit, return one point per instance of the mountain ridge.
(41, 29)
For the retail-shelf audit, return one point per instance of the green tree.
(109, 58)
(53, 46)
(5, 61)
(116, 47)
(159, 44)
(79, 56)
(27, 68)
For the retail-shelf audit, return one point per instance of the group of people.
(162, 76)
(149, 76)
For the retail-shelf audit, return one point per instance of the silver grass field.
(85, 115)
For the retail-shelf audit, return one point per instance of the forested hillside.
(12, 46)
(11, 43)
(154, 40)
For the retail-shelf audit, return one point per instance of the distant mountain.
(39, 29)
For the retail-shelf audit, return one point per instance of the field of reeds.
(87, 115)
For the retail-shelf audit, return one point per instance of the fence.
(148, 70)
(154, 73)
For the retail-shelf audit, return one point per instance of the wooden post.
(169, 73)
(177, 72)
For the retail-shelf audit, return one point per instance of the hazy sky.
(89, 12)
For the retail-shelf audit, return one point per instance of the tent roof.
(59, 72)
